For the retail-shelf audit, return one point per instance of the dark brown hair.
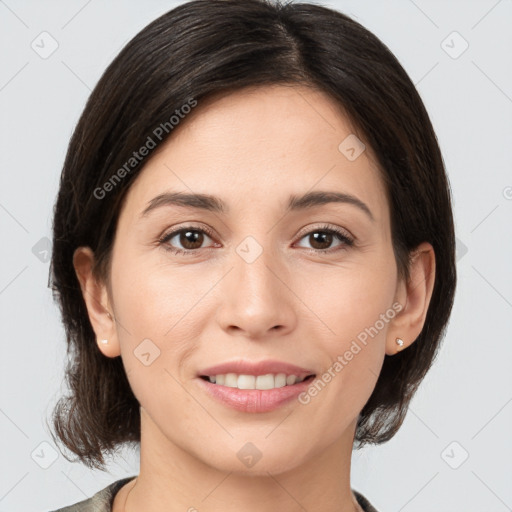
(197, 50)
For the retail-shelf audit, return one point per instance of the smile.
(261, 382)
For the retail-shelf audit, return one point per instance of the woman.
(254, 257)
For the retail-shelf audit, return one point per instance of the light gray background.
(466, 397)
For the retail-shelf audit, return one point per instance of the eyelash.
(339, 234)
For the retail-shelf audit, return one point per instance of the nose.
(256, 298)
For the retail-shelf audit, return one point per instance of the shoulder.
(99, 502)
(365, 504)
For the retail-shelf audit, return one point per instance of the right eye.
(190, 237)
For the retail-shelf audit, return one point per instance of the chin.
(249, 460)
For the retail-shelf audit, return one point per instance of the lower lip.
(254, 400)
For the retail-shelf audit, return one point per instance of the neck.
(172, 479)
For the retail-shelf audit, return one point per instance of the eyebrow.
(214, 204)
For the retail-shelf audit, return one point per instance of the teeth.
(268, 381)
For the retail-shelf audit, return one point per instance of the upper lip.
(244, 367)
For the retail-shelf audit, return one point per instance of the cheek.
(353, 310)
(153, 299)
(157, 327)
(350, 299)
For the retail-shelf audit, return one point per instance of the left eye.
(325, 236)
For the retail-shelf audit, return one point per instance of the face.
(307, 283)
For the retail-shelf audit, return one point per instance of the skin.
(252, 148)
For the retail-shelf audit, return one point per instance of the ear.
(96, 300)
(414, 296)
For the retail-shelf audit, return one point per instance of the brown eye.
(190, 239)
(321, 239)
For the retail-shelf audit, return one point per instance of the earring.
(400, 343)
(104, 342)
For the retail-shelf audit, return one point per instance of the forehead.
(258, 146)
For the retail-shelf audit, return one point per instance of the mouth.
(254, 386)
(254, 393)
(257, 382)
